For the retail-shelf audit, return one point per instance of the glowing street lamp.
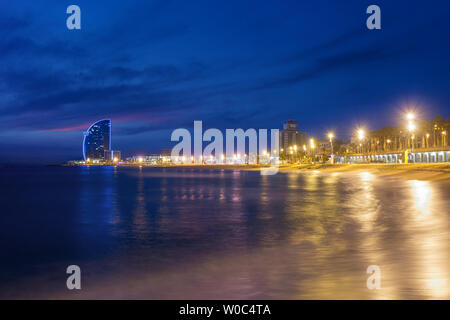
(140, 160)
(411, 128)
(311, 143)
(361, 134)
(444, 133)
(331, 136)
(312, 146)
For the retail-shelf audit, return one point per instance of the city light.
(368, 146)
(360, 134)
(330, 136)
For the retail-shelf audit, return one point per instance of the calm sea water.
(189, 233)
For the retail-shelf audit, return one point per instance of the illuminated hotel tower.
(97, 140)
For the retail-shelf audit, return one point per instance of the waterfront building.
(97, 139)
(290, 136)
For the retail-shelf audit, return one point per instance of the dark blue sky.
(154, 66)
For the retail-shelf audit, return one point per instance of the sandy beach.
(429, 172)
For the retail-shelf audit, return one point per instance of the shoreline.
(429, 171)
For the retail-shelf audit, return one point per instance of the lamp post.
(312, 146)
(331, 136)
(411, 128)
(360, 138)
(444, 133)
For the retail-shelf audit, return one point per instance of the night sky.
(154, 66)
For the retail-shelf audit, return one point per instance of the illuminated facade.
(290, 136)
(97, 140)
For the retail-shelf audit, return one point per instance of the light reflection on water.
(170, 233)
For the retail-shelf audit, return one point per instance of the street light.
(411, 128)
(444, 133)
(331, 136)
(312, 146)
(360, 134)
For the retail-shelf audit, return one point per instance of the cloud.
(322, 47)
(324, 65)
